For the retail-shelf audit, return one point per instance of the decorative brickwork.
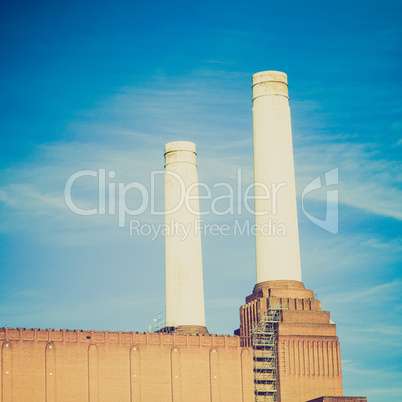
(39, 365)
(308, 351)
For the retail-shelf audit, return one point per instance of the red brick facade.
(308, 351)
(48, 365)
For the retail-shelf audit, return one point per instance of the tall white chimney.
(277, 240)
(185, 311)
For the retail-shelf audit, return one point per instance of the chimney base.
(280, 288)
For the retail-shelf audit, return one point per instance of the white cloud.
(25, 197)
(389, 291)
(365, 181)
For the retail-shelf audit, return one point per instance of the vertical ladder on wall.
(265, 356)
(159, 322)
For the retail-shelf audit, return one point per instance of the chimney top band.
(180, 151)
(270, 83)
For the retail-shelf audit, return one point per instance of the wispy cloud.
(33, 309)
(25, 197)
(369, 379)
(389, 291)
(365, 181)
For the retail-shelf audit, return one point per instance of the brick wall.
(39, 365)
(307, 348)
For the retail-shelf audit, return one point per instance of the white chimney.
(184, 283)
(277, 240)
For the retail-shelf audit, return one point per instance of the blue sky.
(89, 85)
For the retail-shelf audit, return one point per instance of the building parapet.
(147, 338)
